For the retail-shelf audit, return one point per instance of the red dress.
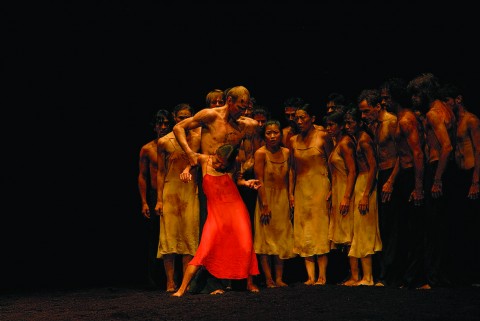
(226, 247)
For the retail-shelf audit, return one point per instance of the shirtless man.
(147, 186)
(215, 98)
(467, 158)
(410, 141)
(290, 107)
(372, 104)
(440, 137)
(220, 125)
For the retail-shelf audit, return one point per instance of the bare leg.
(310, 266)
(322, 261)
(354, 272)
(251, 286)
(279, 271)
(367, 278)
(187, 277)
(169, 264)
(267, 270)
(185, 259)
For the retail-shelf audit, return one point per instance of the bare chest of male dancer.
(221, 132)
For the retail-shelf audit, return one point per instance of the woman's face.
(333, 128)
(351, 125)
(219, 164)
(303, 120)
(273, 135)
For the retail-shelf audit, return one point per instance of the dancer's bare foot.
(171, 287)
(379, 283)
(425, 287)
(309, 282)
(179, 293)
(350, 282)
(321, 281)
(271, 284)
(280, 283)
(253, 288)
(219, 291)
(364, 283)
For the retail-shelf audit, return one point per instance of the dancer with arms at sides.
(366, 233)
(467, 191)
(310, 150)
(147, 186)
(226, 247)
(273, 240)
(343, 171)
(439, 182)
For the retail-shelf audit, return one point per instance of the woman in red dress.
(226, 247)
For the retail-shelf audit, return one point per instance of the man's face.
(261, 119)
(386, 99)
(419, 101)
(249, 111)
(238, 107)
(369, 112)
(290, 115)
(331, 106)
(182, 114)
(162, 126)
(216, 102)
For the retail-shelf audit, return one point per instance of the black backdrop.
(83, 81)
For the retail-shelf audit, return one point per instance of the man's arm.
(437, 123)
(409, 128)
(473, 125)
(180, 131)
(142, 180)
(160, 176)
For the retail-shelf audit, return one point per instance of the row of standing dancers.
(311, 188)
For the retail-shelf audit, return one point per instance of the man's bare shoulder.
(472, 119)
(162, 141)
(407, 117)
(437, 107)
(389, 117)
(148, 146)
(207, 115)
(247, 121)
(434, 115)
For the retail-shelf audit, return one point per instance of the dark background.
(82, 82)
